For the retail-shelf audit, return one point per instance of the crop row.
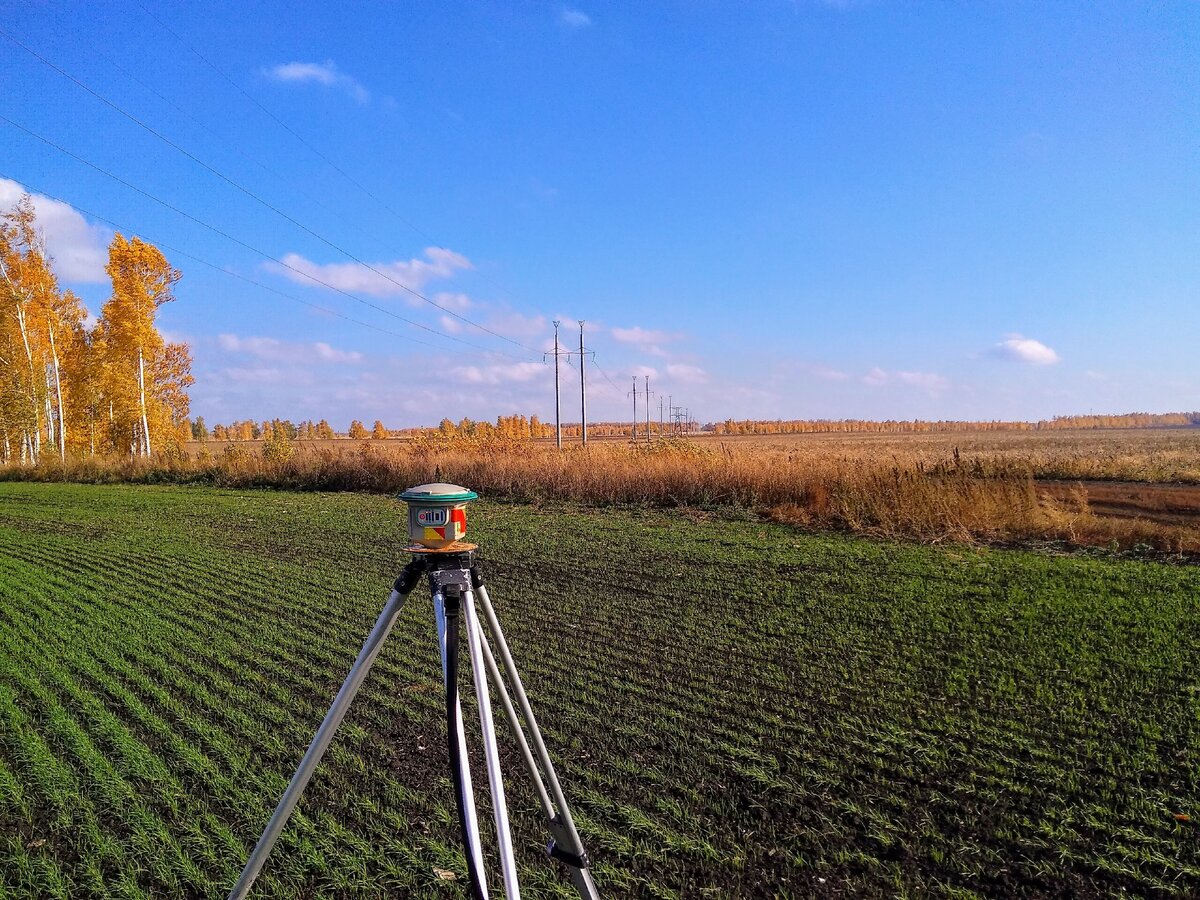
(736, 708)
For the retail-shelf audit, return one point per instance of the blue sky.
(775, 209)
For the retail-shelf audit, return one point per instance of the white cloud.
(498, 374)
(827, 374)
(645, 339)
(275, 350)
(574, 18)
(256, 346)
(414, 274)
(513, 324)
(642, 336)
(643, 371)
(78, 249)
(875, 378)
(451, 300)
(330, 354)
(692, 374)
(1026, 350)
(927, 381)
(325, 73)
(255, 376)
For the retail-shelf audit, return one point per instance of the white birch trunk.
(37, 423)
(48, 407)
(62, 418)
(36, 441)
(142, 392)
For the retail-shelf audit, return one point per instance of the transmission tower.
(634, 394)
(557, 396)
(647, 393)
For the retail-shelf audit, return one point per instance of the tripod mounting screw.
(437, 514)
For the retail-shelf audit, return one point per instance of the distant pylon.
(557, 400)
(634, 394)
(582, 387)
(647, 408)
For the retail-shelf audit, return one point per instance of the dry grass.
(929, 488)
(1157, 455)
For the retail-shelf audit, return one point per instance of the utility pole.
(557, 401)
(634, 392)
(647, 409)
(660, 417)
(671, 409)
(582, 387)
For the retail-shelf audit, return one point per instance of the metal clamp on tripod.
(437, 522)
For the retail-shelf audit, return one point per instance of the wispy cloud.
(439, 264)
(78, 248)
(825, 373)
(645, 339)
(275, 350)
(1026, 350)
(498, 374)
(325, 73)
(926, 381)
(690, 374)
(574, 18)
(516, 325)
(639, 335)
(453, 300)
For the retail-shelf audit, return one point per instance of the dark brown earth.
(1163, 504)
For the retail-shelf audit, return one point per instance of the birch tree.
(146, 377)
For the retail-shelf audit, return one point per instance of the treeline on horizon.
(852, 426)
(70, 388)
(515, 427)
(519, 427)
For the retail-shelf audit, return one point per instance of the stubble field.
(738, 708)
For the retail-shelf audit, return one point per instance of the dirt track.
(1165, 504)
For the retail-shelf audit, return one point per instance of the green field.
(739, 709)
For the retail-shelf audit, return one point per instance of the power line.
(229, 144)
(266, 287)
(611, 383)
(252, 195)
(282, 124)
(242, 243)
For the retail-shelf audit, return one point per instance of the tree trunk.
(142, 392)
(36, 443)
(49, 409)
(62, 418)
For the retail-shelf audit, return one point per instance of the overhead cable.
(242, 243)
(204, 262)
(252, 195)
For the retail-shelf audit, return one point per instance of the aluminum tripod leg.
(487, 729)
(474, 843)
(320, 743)
(567, 846)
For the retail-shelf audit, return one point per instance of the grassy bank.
(918, 495)
(739, 709)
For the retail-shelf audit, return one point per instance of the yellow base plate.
(456, 547)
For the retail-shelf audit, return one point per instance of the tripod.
(455, 582)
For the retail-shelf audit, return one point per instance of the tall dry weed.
(913, 495)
